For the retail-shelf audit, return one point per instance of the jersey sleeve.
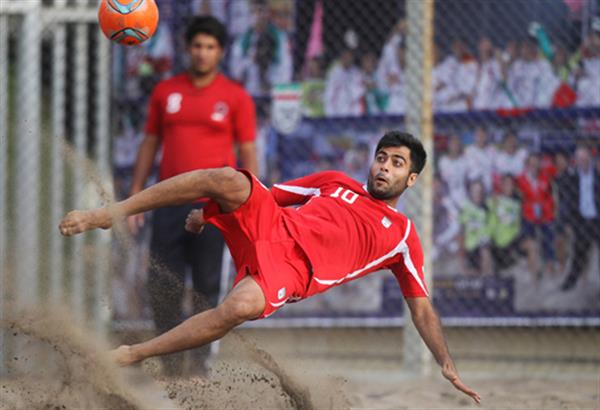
(409, 270)
(244, 119)
(300, 190)
(155, 113)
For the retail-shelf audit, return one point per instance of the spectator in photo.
(535, 185)
(489, 77)
(585, 211)
(563, 183)
(148, 64)
(440, 79)
(460, 72)
(236, 15)
(446, 223)
(215, 8)
(563, 66)
(389, 52)
(479, 158)
(344, 90)
(356, 161)
(261, 57)
(506, 97)
(453, 171)
(588, 86)
(391, 80)
(531, 78)
(505, 223)
(565, 70)
(313, 88)
(510, 159)
(474, 219)
(374, 100)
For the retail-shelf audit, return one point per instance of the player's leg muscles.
(229, 188)
(246, 301)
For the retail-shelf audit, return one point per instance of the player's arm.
(146, 155)
(248, 159)
(299, 191)
(244, 129)
(144, 161)
(141, 171)
(411, 278)
(428, 324)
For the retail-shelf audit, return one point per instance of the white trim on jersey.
(400, 248)
(299, 190)
(278, 304)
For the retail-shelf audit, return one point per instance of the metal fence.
(54, 156)
(504, 93)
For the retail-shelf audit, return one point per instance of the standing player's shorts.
(262, 247)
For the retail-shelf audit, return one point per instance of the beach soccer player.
(298, 239)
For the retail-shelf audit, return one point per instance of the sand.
(65, 367)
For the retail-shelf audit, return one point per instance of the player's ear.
(412, 179)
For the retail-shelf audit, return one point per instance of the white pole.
(27, 139)
(417, 359)
(80, 121)
(3, 180)
(27, 144)
(103, 238)
(56, 261)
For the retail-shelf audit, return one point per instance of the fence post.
(3, 180)
(102, 239)
(57, 204)
(417, 358)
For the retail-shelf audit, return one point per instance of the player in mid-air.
(339, 231)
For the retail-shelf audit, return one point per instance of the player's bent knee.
(233, 188)
(240, 308)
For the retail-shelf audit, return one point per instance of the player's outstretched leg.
(228, 187)
(245, 302)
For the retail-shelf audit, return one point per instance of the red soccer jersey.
(199, 126)
(538, 199)
(346, 233)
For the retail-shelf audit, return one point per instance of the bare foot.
(76, 222)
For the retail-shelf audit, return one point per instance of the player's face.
(205, 54)
(390, 173)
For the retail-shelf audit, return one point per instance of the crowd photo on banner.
(516, 103)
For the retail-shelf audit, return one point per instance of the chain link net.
(515, 93)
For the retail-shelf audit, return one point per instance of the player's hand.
(135, 223)
(76, 222)
(450, 373)
(123, 356)
(195, 222)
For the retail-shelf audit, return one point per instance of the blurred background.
(504, 93)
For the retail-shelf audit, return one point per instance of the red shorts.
(262, 247)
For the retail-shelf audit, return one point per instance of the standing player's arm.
(428, 324)
(248, 159)
(144, 161)
(143, 166)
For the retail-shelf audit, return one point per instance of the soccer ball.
(128, 22)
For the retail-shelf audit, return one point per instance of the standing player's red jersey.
(346, 233)
(199, 126)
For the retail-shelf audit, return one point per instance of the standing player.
(342, 230)
(198, 117)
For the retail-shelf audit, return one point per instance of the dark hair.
(206, 25)
(418, 156)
